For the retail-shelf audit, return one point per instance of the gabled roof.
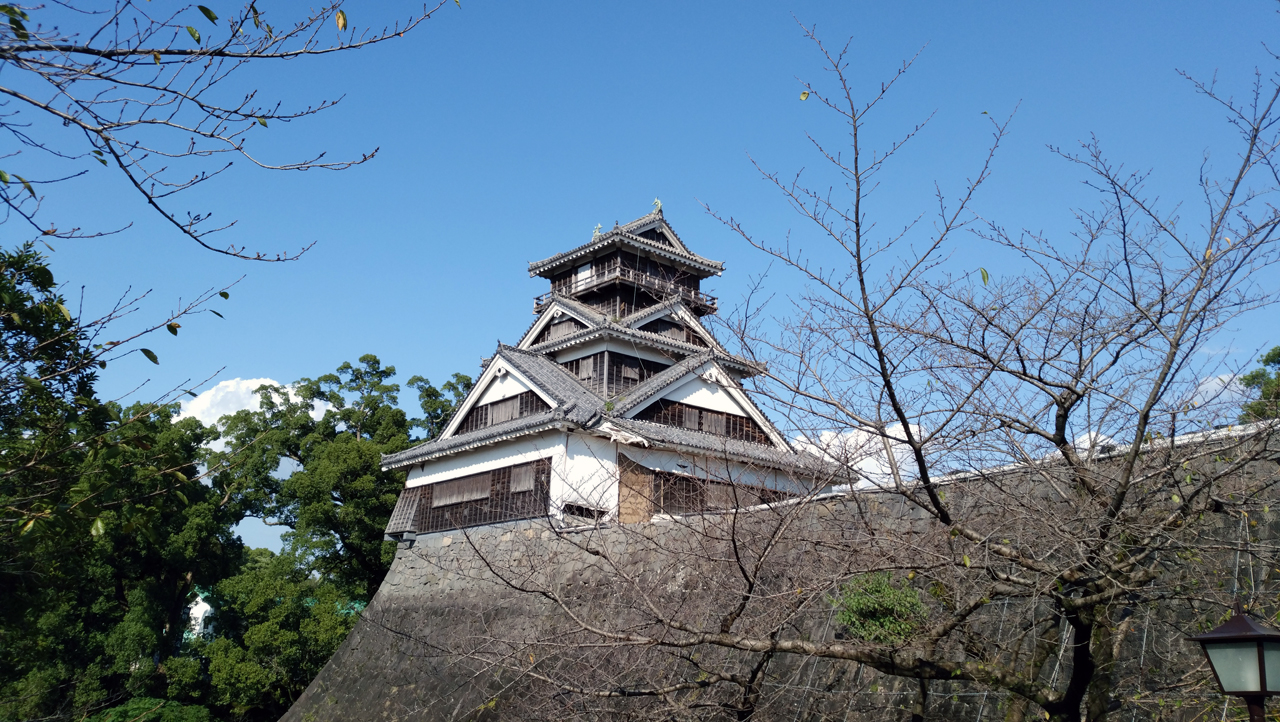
(676, 308)
(576, 406)
(571, 402)
(589, 317)
(600, 327)
(619, 235)
(654, 220)
(688, 439)
(653, 388)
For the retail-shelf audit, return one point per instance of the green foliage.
(875, 608)
(277, 626)
(92, 618)
(149, 709)
(115, 539)
(437, 409)
(1265, 382)
(322, 477)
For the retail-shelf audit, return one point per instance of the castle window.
(733, 426)
(519, 491)
(522, 478)
(497, 412)
(468, 488)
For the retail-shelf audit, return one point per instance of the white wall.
(502, 387)
(485, 458)
(587, 474)
(705, 468)
(698, 392)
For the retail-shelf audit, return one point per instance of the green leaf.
(98, 528)
(25, 184)
(195, 34)
(173, 328)
(341, 19)
(192, 394)
(19, 30)
(65, 313)
(4, 177)
(966, 560)
(216, 313)
(458, 3)
(254, 9)
(262, 122)
(224, 294)
(986, 277)
(156, 57)
(213, 17)
(804, 95)
(27, 527)
(1176, 499)
(151, 356)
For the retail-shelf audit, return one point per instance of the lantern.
(1245, 657)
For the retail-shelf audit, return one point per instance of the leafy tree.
(88, 620)
(1265, 382)
(437, 409)
(310, 459)
(277, 625)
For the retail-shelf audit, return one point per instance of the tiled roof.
(645, 338)
(702, 441)
(650, 387)
(552, 378)
(621, 234)
(461, 442)
(574, 404)
(599, 325)
(590, 316)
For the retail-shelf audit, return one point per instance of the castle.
(616, 405)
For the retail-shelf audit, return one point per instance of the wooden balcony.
(660, 288)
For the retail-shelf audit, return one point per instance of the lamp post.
(1245, 657)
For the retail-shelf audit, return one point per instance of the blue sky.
(507, 131)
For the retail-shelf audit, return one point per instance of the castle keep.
(617, 404)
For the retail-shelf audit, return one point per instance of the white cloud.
(865, 453)
(226, 398)
(231, 396)
(234, 395)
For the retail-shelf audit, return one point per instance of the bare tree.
(153, 92)
(1057, 510)
(1084, 365)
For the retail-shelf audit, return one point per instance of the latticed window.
(520, 491)
(674, 331)
(515, 407)
(733, 426)
(468, 488)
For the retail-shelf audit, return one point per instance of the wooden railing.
(659, 287)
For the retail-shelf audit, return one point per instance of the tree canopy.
(1265, 382)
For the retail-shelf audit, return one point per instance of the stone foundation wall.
(448, 633)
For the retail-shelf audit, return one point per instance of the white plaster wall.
(485, 458)
(705, 468)
(502, 387)
(698, 392)
(587, 474)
